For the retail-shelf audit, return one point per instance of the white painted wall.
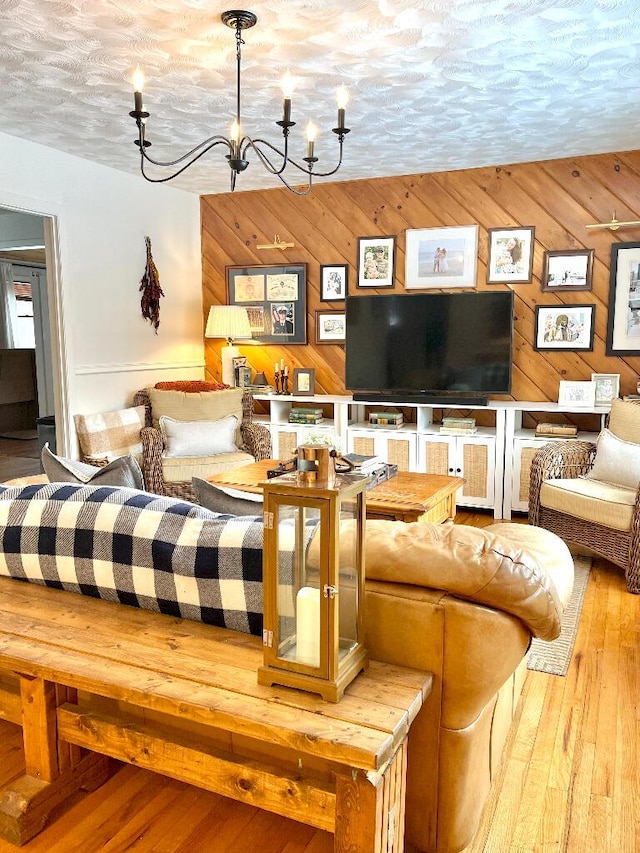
(101, 217)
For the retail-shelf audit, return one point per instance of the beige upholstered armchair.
(589, 494)
(180, 440)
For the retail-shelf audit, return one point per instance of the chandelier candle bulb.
(138, 85)
(311, 137)
(343, 98)
(287, 91)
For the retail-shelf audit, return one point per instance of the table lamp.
(230, 322)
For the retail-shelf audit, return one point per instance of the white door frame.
(59, 344)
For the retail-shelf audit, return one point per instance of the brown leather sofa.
(463, 603)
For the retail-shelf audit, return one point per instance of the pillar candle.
(308, 626)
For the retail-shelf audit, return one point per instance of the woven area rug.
(554, 657)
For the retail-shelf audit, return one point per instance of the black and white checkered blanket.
(136, 548)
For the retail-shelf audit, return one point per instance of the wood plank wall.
(558, 197)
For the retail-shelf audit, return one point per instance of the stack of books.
(365, 465)
(389, 420)
(566, 430)
(462, 426)
(305, 415)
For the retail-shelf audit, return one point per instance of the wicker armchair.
(611, 527)
(256, 437)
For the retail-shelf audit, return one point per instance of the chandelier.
(275, 160)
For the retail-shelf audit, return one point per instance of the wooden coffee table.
(405, 497)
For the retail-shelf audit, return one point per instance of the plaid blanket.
(140, 549)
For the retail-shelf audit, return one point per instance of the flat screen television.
(424, 345)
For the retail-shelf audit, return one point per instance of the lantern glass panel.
(298, 586)
(348, 578)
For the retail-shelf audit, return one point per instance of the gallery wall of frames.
(577, 291)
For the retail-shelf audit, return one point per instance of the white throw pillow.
(199, 438)
(616, 462)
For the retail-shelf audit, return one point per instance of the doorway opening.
(27, 363)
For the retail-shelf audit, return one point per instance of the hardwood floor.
(569, 779)
(18, 458)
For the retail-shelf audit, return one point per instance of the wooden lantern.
(313, 580)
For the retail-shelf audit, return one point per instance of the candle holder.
(276, 381)
(313, 580)
(285, 384)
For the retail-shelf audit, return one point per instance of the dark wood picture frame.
(304, 381)
(623, 321)
(568, 269)
(275, 296)
(334, 282)
(564, 327)
(376, 261)
(330, 327)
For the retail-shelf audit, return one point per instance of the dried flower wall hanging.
(151, 290)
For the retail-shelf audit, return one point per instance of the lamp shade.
(227, 321)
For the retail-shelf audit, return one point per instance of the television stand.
(427, 399)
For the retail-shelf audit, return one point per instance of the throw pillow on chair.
(199, 438)
(124, 471)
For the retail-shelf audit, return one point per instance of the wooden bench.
(91, 680)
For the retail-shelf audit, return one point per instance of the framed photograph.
(330, 327)
(607, 387)
(275, 299)
(568, 270)
(375, 261)
(564, 327)
(441, 257)
(333, 282)
(510, 255)
(304, 381)
(623, 322)
(577, 393)
(242, 376)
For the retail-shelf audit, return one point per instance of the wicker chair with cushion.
(196, 429)
(589, 494)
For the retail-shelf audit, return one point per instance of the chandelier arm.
(293, 189)
(266, 162)
(306, 169)
(175, 174)
(205, 145)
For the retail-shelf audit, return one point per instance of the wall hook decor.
(614, 224)
(277, 244)
(151, 290)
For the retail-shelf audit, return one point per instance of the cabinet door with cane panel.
(398, 447)
(468, 456)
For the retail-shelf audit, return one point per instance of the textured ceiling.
(434, 86)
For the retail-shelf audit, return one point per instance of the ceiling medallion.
(239, 146)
